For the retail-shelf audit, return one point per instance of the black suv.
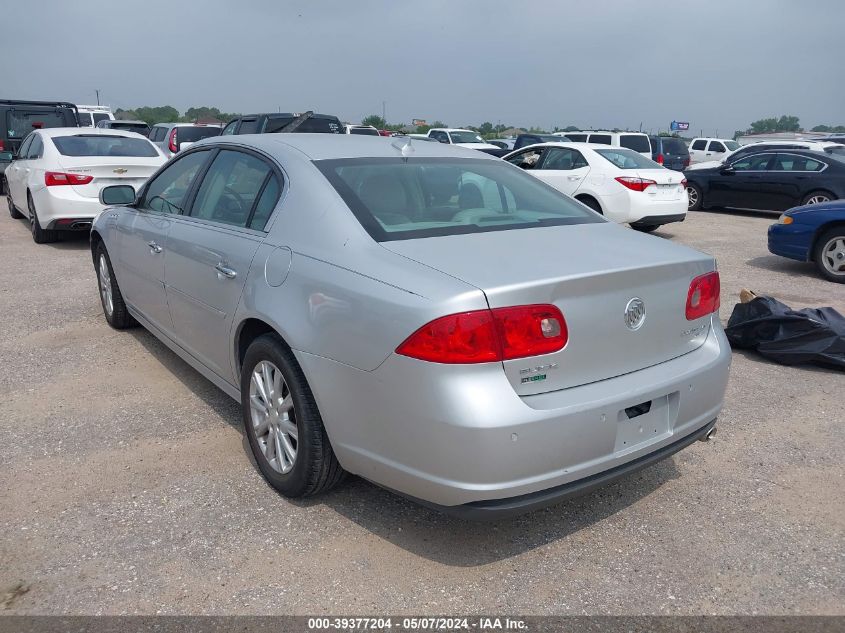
(284, 122)
(19, 118)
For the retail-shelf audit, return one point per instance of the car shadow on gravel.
(76, 241)
(461, 543)
(779, 264)
(196, 383)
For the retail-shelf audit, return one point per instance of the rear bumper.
(450, 435)
(657, 220)
(62, 205)
(503, 508)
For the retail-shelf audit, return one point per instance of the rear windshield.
(192, 134)
(396, 199)
(316, 125)
(19, 123)
(627, 159)
(131, 127)
(102, 145)
(732, 145)
(674, 146)
(366, 131)
(636, 142)
(85, 119)
(99, 116)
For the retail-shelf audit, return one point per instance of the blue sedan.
(813, 233)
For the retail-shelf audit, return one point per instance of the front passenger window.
(230, 187)
(166, 194)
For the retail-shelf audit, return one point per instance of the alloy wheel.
(692, 192)
(273, 416)
(105, 285)
(818, 199)
(833, 256)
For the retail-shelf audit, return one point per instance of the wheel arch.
(818, 233)
(246, 332)
(581, 196)
(95, 241)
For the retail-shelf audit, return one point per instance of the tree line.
(167, 114)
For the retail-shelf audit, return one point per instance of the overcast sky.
(718, 64)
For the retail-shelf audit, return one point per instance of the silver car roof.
(327, 146)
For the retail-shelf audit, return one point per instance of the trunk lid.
(110, 170)
(668, 185)
(591, 272)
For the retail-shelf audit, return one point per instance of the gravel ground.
(126, 487)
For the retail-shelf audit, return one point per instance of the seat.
(470, 197)
(385, 198)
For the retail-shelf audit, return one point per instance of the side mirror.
(7, 157)
(117, 195)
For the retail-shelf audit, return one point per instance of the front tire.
(114, 308)
(13, 211)
(39, 235)
(696, 197)
(817, 197)
(282, 422)
(829, 254)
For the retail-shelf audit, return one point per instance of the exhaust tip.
(709, 435)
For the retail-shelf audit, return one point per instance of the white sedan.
(56, 177)
(619, 183)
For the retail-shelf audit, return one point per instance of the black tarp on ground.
(790, 337)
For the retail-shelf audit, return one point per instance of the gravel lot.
(126, 487)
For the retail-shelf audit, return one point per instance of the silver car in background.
(430, 318)
(171, 138)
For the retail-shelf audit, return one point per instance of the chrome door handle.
(224, 271)
(574, 177)
(154, 248)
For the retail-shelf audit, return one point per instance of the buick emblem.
(635, 314)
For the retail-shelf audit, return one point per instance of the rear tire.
(696, 197)
(114, 308)
(645, 228)
(301, 462)
(829, 254)
(817, 197)
(39, 235)
(592, 203)
(13, 211)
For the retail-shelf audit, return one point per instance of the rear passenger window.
(230, 188)
(716, 146)
(603, 139)
(699, 144)
(248, 126)
(576, 138)
(266, 204)
(636, 142)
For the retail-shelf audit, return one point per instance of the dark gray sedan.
(425, 316)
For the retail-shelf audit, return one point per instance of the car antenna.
(406, 149)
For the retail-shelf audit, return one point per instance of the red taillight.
(57, 178)
(660, 159)
(703, 296)
(2, 145)
(684, 183)
(686, 161)
(635, 184)
(485, 336)
(171, 142)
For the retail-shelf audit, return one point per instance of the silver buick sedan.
(428, 317)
